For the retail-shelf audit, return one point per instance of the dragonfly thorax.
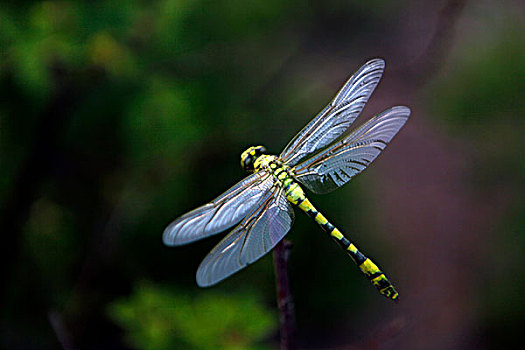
(264, 162)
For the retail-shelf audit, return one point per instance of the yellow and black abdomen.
(295, 194)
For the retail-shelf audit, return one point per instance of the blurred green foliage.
(165, 89)
(482, 77)
(161, 318)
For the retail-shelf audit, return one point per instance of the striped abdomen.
(295, 194)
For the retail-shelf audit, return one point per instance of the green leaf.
(156, 317)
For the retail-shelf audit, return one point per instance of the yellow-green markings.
(295, 194)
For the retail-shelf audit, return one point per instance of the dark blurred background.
(118, 116)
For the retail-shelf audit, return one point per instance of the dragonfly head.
(249, 157)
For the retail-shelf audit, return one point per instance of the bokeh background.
(118, 116)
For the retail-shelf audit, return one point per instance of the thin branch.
(61, 331)
(281, 253)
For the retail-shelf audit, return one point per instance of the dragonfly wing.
(220, 214)
(336, 165)
(335, 118)
(255, 236)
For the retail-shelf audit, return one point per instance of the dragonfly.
(323, 156)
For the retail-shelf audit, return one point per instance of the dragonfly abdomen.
(295, 194)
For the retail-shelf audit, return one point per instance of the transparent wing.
(255, 236)
(222, 213)
(336, 165)
(335, 118)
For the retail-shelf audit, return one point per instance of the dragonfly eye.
(249, 156)
(248, 164)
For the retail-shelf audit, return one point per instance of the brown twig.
(281, 253)
(62, 334)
